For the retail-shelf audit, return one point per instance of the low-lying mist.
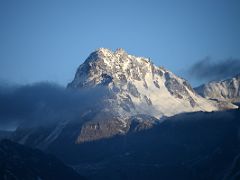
(44, 103)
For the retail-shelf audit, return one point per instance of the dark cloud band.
(44, 103)
(207, 69)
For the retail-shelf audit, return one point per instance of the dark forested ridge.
(18, 162)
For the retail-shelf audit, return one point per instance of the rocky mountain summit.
(137, 86)
(226, 90)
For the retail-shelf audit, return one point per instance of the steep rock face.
(137, 85)
(226, 90)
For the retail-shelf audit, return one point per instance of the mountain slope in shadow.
(18, 162)
(196, 145)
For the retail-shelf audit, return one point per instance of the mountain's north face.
(139, 95)
(137, 85)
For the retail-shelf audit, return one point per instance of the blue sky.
(48, 40)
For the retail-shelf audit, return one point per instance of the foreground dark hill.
(21, 163)
(196, 145)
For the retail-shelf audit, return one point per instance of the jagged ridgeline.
(137, 85)
(224, 90)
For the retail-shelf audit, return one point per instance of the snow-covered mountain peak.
(137, 85)
(120, 51)
(108, 52)
(224, 90)
(104, 51)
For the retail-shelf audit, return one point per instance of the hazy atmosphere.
(47, 40)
